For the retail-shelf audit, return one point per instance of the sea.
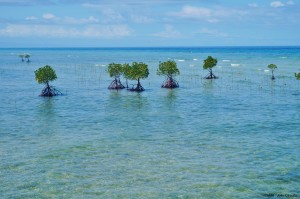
(237, 136)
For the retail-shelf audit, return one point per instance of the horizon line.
(103, 47)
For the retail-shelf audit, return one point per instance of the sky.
(149, 23)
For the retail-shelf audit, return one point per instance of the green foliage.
(45, 74)
(136, 71)
(126, 70)
(209, 62)
(115, 70)
(272, 67)
(168, 68)
(27, 56)
(22, 56)
(297, 75)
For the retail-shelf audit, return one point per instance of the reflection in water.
(170, 99)
(114, 98)
(171, 94)
(45, 115)
(127, 99)
(170, 105)
(210, 87)
(123, 104)
(136, 101)
(209, 84)
(45, 108)
(127, 111)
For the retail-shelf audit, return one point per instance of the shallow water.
(234, 137)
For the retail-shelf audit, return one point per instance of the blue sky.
(148, 23)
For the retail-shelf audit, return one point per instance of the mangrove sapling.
(44, 75)
(27, 56)
(22, 57)
(272, 67)
(115, 70)
(208, 64)
(168, 69)
(297, 75)
(136, 71)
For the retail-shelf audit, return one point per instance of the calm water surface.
(234, 137)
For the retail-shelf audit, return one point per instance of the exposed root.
(50, 91)
(116, 84)
(170, 83)
(138, 88)
(210, 76)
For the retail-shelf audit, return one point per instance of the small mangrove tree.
(297, 75)
(22, 57)
(168, 69)
(208, 64)
(115, 71)
(44, 75)
(136, 71)
(272, 67)
(27, 56)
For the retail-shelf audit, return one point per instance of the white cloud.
(31, 18)
(107, 31)
(290, 3)
(109, 14)
(112, 16)
(25, 2)
(66, 20)
(92, 19)
(193, 12)
(276, 4)
(213, 20)
(169, 32)
(48, 16)
(92, 31)
(71, 20)
(141, 19)
(211, 32)
(206, 14)
(253, 5)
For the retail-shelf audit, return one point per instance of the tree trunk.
(139, 84)
(170, 82)
(116, 84)
(47, 85)
(116, 81)
(210, 75)
(49, 91)
(138, 87)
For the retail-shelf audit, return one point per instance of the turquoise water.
(234, 137)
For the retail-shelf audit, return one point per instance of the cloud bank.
(21, 30)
